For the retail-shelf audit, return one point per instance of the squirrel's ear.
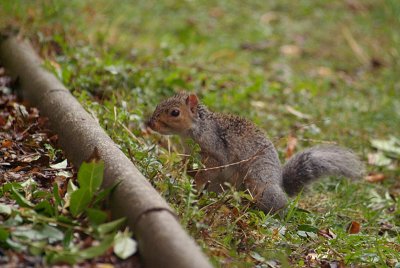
(192, 101)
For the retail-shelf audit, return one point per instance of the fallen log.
(162, 241)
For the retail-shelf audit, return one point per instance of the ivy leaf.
(13, 221)
(105, 193)
(16, 245)
(69, 235)
(90, 176)
(28, 233)
(96, 216)
(38, 232)
(97, 250)
(52, 234)
(109, 227)
(124, 245)
(80, 199)
(308, 228)
(56, 195)
(5, 209)
(45, 208)
(4, 234)
(7, 186)
(21, 200)
(37, 248)
(65, 257)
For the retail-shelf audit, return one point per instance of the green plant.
(54, 226)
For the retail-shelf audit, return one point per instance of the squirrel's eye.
(175, 112)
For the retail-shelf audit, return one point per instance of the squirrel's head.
(175, 115)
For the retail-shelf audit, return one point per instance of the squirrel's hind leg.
(208, 176)
(268, 197)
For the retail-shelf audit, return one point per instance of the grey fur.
(317, 162)
(226, 139)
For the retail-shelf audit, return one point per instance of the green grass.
(335, 61)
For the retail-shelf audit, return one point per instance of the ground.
(306, 71)
(44, 219)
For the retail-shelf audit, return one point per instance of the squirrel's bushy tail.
(317, 162)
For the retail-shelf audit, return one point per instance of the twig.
(130, 132)
(257, 154)
(317, 141)
(357, 49)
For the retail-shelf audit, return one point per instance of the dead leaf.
(324, 71)
(376, 63)
(378, 159)
(297, 113)
(216, 12)
(385, 227)
(3, 121)
(259, 46)
(375, 177)
(269, 17)
(18, 168)
(6, 143)
(60, 165)
(291, 146)
(327, 233)
(258, 104)
(356, 6)
(291, 50)
(312, 256)
(332, 264)
(236, 212)
(358, 50)
(354, 228)
(242, 224)
(104, 265)
(225, 210)
(29, 158)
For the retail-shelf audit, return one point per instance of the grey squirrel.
(234, 150)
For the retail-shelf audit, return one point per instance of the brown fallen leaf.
(242, 224)
(385, 227)
(216, 12)
(323, 71)
(291, 146)
(312, 257)
(3, 121)
(29, 158)
(259, 46)
(269, 17)
(17, 168)
(354, 228)
(6, 143)
(332, 264)
(291, 50)
(377, 177)
(104, 265)
(327, 233)
(297, 113)
(356, 6)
